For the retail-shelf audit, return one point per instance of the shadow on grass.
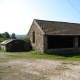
(65, 54)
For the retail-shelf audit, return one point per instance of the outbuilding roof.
(6, 41)
(11, 40)
(58, 28)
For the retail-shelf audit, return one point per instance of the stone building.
(14, 45)
(52, 36)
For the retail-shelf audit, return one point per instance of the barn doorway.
(55, 42)
(78, 41)
(17, 46)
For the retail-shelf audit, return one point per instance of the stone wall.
(38, 45)
(41, 41)
(45, 44)
(63, 50)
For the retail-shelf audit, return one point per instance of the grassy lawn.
(40, 55)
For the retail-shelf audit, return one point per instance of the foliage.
(5, 35)
(25, 38)
(2, 39)
(13, 36)
(1, 35)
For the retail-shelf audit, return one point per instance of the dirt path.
(38, 69)
(5, 54)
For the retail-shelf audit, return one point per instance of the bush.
(25, 38)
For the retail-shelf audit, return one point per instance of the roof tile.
(59, 28)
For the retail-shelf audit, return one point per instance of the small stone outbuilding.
(14, 45)
(52, 36)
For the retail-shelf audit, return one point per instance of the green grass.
(2, 50)
(3, 39)
(40, 55)
(35, 55)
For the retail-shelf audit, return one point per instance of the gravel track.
(27, 69)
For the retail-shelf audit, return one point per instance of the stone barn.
(53, 36)
(15, 45)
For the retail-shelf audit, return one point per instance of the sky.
(16, 16)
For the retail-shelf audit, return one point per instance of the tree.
(25, 38)
(13, 36)
(6, 35)
(1, 35)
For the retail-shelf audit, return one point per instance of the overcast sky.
(16, 16)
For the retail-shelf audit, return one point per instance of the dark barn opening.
(33, 37)
(59, 42)
(78, 41)
(17, 46)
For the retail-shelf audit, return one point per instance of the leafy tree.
(13, 36)
(5, 35)
(1, 35)
(25, 38)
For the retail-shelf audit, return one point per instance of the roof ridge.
(57, 21)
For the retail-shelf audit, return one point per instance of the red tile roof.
(59, 28)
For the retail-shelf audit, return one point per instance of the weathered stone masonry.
(43, 29)
(39, 38)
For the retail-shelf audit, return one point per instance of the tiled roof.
(59, 28)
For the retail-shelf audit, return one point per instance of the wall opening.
(55, 42)
(33, 35)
